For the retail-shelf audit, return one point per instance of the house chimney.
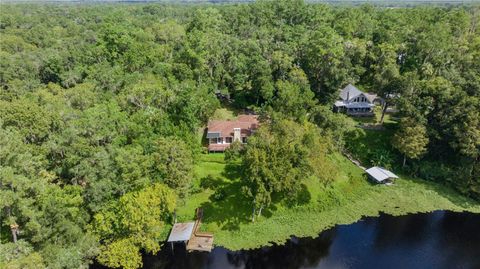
(236, 134)
(348, 96)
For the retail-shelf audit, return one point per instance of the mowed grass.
(347, 200)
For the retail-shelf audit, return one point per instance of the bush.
(433, 171)
(195, 189)
(381, 157)
(234, 152)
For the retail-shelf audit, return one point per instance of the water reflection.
(295, 253)
(435, 240)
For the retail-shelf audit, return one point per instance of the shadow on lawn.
(229, 211)
(228, 206)
(301, 197)
(232, 171)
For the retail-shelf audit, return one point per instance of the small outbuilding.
(381, 175)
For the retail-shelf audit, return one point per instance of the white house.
(355, 102)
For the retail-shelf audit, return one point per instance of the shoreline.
(345, 224)
(348, 200)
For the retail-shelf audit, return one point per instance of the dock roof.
(181, 232)
(380, 174)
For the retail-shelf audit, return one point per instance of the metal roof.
(350, 92)
(371, 97)
(181, 232)
(214, 134)
(340, 103)
(380, 174)
(359, 105)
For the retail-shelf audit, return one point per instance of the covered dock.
(181, 232)
(189, 234)
(381, 175)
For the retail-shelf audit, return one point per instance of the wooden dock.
(200, 241)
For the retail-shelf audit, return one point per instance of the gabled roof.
(371, 97)
(224, 128)
(350, 92)
(380, 174)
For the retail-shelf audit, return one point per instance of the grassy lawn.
(227, 213)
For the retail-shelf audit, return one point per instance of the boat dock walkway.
(189, 233)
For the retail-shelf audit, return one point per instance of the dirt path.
(356, 162)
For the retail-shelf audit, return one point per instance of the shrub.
(234, 152)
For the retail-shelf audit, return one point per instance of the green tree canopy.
(279, 157)
(411, 139)
(133, 223)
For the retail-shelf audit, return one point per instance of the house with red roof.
(222, 133)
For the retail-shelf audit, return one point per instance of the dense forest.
(101, 107)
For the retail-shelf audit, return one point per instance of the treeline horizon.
(385, 3)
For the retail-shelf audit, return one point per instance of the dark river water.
(435, 240)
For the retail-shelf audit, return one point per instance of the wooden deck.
(200, 241)
(217, 147)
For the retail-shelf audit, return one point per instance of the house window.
(228, 140)
(220, 140)
(244, 139)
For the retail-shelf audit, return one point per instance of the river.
(433, 240)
